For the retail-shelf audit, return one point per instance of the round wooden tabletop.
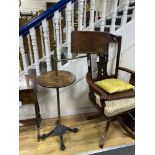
(50, 80)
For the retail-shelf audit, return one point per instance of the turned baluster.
(35, 49)
(69, 27)
(133, 15)
(103, 15)
(85, 14)
(80, 14)
(30, 50)
(47, 42)
(20, 68)
(22, 51)
(73, 17)
(114, 14)
(92, 11)
(124, 17)
(96, 11)
(60, 18)
(57, 31)
(66, 25)
(42, 41)
(54, 35)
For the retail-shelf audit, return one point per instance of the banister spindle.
(69, 27)
(30, 50)
(47, 47)
(103, 15)
(92, 11)
(60, 18)
(133, 15)
(54, 35)
(96, 11)
(22, 51)
(80, 14)
(66, 26)
(20, 68)
(73, 28)
(114, 14)
(35, 49)
(124, 17)
(56, 22)
(85, 14)
(42, 41)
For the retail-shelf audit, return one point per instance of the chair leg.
(105, 133)
(38, 118)
(125, 127)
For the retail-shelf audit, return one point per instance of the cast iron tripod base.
(59, 130)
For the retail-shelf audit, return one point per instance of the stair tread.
(118, 16)
(129, 8)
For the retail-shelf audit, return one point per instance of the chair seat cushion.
(116, 107)
(114, 85)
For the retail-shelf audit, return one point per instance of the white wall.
(34, 5)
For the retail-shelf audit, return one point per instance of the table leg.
(58, 106)
(60, 129)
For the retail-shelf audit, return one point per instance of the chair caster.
(43, 137)
(62, 148)
(101, 146)
(38, 138)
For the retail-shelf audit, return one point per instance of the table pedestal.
(59, 130)
(57, 80)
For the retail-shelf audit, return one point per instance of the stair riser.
(118, 21)
(120, 13)
(131, 4)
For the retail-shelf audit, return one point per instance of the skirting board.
(109, 149)
(63, 113)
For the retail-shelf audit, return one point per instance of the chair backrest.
(96, 43)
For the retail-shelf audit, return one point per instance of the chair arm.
(132, 77)
(95, 88)
(126, 70)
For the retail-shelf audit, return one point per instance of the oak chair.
(96, 46)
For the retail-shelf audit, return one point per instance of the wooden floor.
(87, 139)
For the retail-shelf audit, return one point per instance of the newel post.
(35, 49)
